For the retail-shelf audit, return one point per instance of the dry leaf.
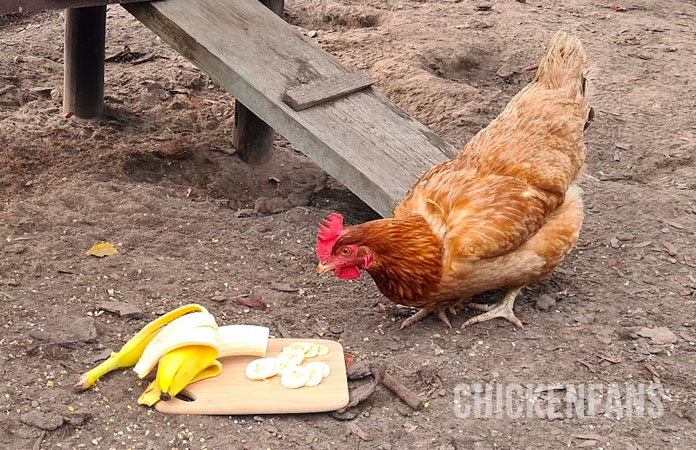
(252, 302)
(350, 359)
(618, 8)
(102, 250)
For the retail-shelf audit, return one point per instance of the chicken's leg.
(502, 309)
(423, 313)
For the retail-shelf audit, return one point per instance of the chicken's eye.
(345, 251)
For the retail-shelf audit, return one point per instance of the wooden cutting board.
(232, 392)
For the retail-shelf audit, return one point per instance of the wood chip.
(409, 427)
(653, 371)
(591, 367)
(612, 359)
(676, 225)
(101, 356)
(283, 287)
(358, 370)
(359, 432)
(687, 337)
(590, 436)
(671, 248)
(357, 396)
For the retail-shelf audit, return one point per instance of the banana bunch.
(184, 344)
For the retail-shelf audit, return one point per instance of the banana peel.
(184, 344)
(132, 350)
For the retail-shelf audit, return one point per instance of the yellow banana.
(196, 359)
(171, 362)
(153, 393)
(132, 350)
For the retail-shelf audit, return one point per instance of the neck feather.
(406, 256)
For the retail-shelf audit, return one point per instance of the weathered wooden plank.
(308, 95)
(83, 85)
(23, 6)
(253, 138)
(365, 141)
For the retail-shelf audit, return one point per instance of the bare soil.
(157, 176)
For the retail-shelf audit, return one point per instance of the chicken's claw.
(504, 309)
(422, 314)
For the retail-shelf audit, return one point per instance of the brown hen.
(502, 214)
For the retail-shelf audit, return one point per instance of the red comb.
(330, 231)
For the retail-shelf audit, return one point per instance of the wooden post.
(253, 138)
(83, 89)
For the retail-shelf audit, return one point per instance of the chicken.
(501, 215)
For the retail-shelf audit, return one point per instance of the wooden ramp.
(363, 140)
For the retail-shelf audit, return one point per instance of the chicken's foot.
(503, 309)
(480, 306)
(422, 314)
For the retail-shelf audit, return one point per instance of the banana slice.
(283, 362)
(316, 374)
(292, 351)
(294, 377)
(312, 351)
(295, 355)
(301, 346)
(325, 369)
(322, 350)
(260, 369)
(296, 359)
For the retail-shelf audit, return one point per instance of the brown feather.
(504, 212)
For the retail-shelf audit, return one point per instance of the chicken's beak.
(321, 268)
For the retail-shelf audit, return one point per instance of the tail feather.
(563, 64)
(563, 68)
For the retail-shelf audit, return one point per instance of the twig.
(7, 89)
(283, 332)
(37, 443)
(408, 396)
(9, 296)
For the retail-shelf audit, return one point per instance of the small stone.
(34, 404)
(123, 309)
(625, 237)
(313, 34)
(545, 302)
(659, 335)
(622, 146)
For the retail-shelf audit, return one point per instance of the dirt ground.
(156, 176)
